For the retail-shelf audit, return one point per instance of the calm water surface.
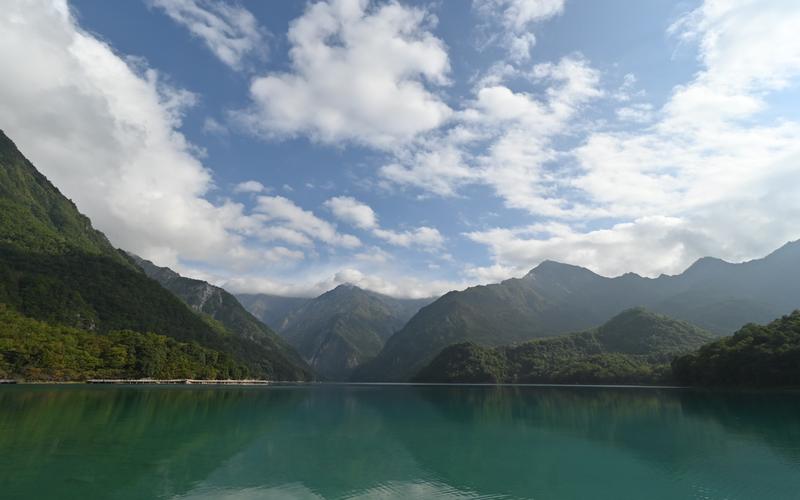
(396, 442)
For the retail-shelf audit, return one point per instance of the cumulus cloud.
(104, 130)
(358, 73)
(294, 218)
(249, 187)
(710, 174)
(361, 215)
(504, 138)
(352, 211)
(230, 31)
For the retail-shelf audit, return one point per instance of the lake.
(372, 441)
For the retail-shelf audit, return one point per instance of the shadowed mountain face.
(634, 347)
(55, 267)
(555, 298)
(220, 305)
(343, 328)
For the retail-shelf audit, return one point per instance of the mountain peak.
(788, 250)
(551, 269)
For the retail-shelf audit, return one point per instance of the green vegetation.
(634, 347)
(54, 267)
(755, 356)
(345, 327)
(555, 299)
(35, 350)
(214, 303)
(36, 217)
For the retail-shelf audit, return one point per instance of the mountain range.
(341, 329)
(634, 347)
(73, 306)
(555, 299)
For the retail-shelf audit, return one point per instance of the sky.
(413, 148)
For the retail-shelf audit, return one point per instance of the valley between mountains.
(73, 307)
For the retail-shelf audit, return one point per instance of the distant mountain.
(56, 268)
(556, 298)
(343, 328)
(755, 356)
(635, 346)
(220, 305)
(271, 309)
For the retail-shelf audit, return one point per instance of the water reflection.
(396, 442)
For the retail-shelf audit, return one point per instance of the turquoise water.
(396, 442)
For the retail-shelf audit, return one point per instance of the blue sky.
(413, 147)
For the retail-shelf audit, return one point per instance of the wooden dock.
(177, 381)
(7, 381)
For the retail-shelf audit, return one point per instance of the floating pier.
(177, 381)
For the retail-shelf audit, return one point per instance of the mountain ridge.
(220, 305)
(344, 327)
(635, 346)
(55, 267)
(555, 298)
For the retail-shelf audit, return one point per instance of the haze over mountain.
(56, 268)
(556, 298)
(272, 310)
(635, 346)
(342, 328)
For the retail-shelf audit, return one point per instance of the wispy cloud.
(229, 30)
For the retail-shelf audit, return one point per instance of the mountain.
(220, 305)
(36, 350)
(343, 328)
(36, 217)
(556, 298)
(272, 310)
(636, 346)
(56, 268)
(755, 356)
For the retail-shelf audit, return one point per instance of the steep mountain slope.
(755, 356)
(220, 305)
(36, 217)
(56, 268)
(635, 346)
(343, 328)
(557, 298)
(272, 310)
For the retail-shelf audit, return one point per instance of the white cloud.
(104, 130)
(359, 74)
(514, 132)
(249, 187)
(361, 215)
(710, 173)
(639, 113)
(395, 285)
(230, 31)
(285, 211)
(352, 211)
(423, 236)
(516, 19)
